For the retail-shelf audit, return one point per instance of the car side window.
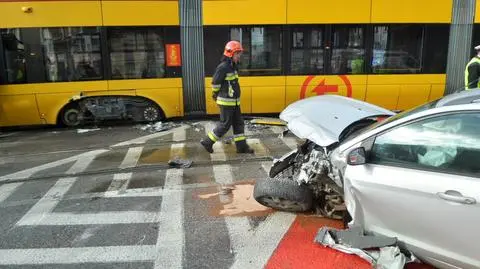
(448, 143)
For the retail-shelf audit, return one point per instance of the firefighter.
(472, 71)
(226, 93)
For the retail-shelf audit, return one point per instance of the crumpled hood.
(322, 119)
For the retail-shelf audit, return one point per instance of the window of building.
(72, 53)
(137, 53)
(306, 52)
(397, 49)
(449, 143)
(14, 56)
(348, 50)
(263, 49)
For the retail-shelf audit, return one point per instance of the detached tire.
(283, 195)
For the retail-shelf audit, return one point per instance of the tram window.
(397, 49)
(348, 50)
(215, 38)
(72, 53)
(262, 49)
(14, 56)
(436, 51)
(306, 52)
(137, 53)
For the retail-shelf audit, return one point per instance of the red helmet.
(231, 48)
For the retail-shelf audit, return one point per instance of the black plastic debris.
(180, 163)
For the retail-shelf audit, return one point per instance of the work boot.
(207, 143)
(242, 147)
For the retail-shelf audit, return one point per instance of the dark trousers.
(230, 116)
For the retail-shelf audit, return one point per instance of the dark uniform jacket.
(226, 89)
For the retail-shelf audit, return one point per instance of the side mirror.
(357, 156)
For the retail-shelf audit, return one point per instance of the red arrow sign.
(322, 88)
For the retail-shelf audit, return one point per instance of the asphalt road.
(107, 198)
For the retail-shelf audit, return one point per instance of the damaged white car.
(413, 175)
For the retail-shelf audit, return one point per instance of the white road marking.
(131, 158)
(144, 139)
(218, 151)
(266, 166)
(80, 165)
(68, 219)
(290, 142)
(77, 255)
(8, 134)
(177, 150)
(262, 243)
(119, 182)
(171, 236)
(278, 129)
(31, 171)
(180, 135)
(47, 203)
(252, 248)
(7, 189)
(258, 147)
(238, 227)
(9, 144)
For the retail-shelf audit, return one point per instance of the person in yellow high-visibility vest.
(472, 72)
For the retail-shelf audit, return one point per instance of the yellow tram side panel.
(369, 11)
(40, 103)
(327, 11)
(50, 13)
(401, 92)
(477, 12)
(245, 12)
(299, 87)
(140, 13)
(259, 95)
(411, 11)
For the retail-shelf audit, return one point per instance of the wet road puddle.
(235, 200)
(162, 155)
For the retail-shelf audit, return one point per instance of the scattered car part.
(268, 121)
(380, 251)
(179, 163)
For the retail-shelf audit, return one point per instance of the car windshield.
(405, 114)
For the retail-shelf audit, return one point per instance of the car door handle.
(457, 198)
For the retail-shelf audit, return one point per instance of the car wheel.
(71, 117)
(283, 194)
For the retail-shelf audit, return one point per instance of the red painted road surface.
(297, 249)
